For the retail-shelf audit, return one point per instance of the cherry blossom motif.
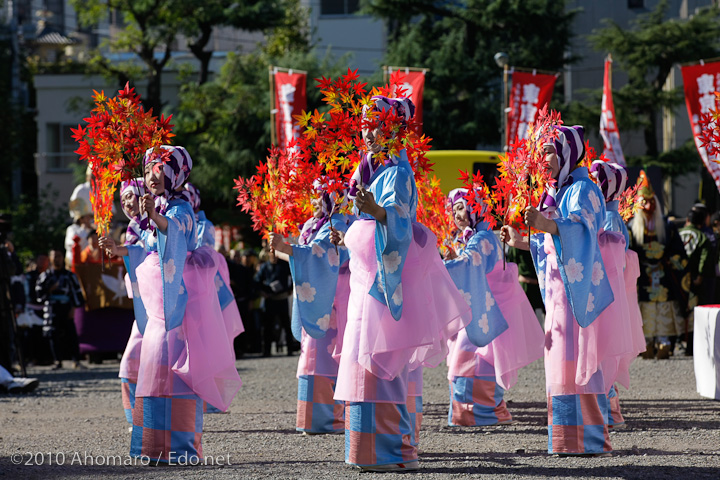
(595, 201)
(306, 292)
(392, 261)
(468, 297)
(379, 283)
(541, 279)
(574, 217)
(574, 270)
(397, 297)
(317, 250)
(218, 282)
(597, 273)
(483, 323)
(170, 270)
(333, 258)
(590, 304)
(486, 246)
(489, 300)
(182, 290)
(476, 258)
(135, 289)
(324, 322)
(408, 184)
(589, 218)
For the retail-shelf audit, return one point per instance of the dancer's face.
(130, 204)
(460, 215)
(317, 207)
(155, 178)
(370, 137)
(552, 160)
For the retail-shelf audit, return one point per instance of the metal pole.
(505, 107)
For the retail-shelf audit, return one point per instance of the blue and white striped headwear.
(176, 169)
(611, 177)
(570, 148)
(192, 195)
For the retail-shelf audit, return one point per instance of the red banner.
(530, 92)
(414, 84)
(608, 125)
(290, 99)
(699, 82)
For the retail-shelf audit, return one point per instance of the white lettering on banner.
(408, 89)
(705, 84)
(527, 112)
(531, 93)
(707, 102)
(696, 123)
(287, 98)
(522, 130)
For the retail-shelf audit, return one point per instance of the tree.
(457, 42)
(648, 52)
(153, 28)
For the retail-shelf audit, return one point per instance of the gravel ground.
(672, 432)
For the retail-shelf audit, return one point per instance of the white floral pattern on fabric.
(468, 297)
(317, 250)
(597, 273)
(333, 258)
(324, 322)
(589, 218)
(135, 289)
(486, 246)
(181, 291)
(483, 323)
(306, 292)
(574, 217)
(595, 201)
(379, 283)
(476, 258)
(397, 297)
(574, 270)
(151, 241)
(489, 300)
(402, 209)
(180, 225)
(170, 270)
(218, 283)
(392, 262)
(408, 184)
(590, 304)
(541, 280)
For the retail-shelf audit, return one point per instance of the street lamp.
(502, 60)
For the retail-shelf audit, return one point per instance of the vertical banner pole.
(272, 106)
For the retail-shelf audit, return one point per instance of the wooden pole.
(272, 105)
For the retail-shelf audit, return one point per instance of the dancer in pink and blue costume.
(320, 294)
(403, 307)
(612, 179)
(504, 335)
(186, 356)
(584, 342)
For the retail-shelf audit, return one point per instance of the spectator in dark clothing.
(242, 268)
(276, 287)
(59, 290)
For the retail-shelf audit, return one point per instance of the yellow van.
(449, 162)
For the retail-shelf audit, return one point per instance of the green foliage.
(39, 224)
(225, 123)
(673, 162)
(457, 42)
(647, 52)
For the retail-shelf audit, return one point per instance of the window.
(60, 147)
(339, 7)
(633, 4)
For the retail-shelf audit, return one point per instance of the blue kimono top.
(614, 222)
(469, 272)
(579, 215)
(172, 248)
(315, 268)
(393, 187)
(205, 230)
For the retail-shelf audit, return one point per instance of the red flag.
(530, 92)
(290, 99)
(608, 125)
(414, 84)
(700, 82)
